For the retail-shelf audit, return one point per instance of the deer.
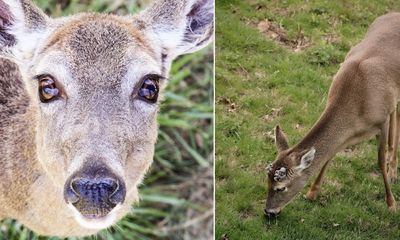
(79, 97)
(362, 103)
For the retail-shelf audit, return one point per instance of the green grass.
(261, 83)
(170, 207)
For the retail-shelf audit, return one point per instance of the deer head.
(94, 82)
(287, 175)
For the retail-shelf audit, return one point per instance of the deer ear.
(280, 139)
(20, 21)
(307, 159)
(180, 26)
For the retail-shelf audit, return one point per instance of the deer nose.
(271, 214)
(95, 189)
(94, 195)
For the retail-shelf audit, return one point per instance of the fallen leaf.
(232, 108)
(224, 237)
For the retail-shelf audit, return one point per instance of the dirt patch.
(231, 106)
(277, 33)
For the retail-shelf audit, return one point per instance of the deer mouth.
(90, 211)
(95, 218)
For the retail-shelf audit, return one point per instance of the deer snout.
(94, 192)
(271, 213)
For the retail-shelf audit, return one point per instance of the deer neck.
(328, 136)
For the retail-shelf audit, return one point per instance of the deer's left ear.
(179, 26)
(306, 159)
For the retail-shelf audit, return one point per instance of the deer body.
(78, 108)
(362, 102)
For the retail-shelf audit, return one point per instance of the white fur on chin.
(97, 224)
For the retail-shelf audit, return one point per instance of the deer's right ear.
(20, 23)
(307, 159)
(280, 139)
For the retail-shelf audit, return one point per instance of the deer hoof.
(391, 203)
(311, 195)
(392, 208)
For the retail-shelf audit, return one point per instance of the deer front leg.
(316, 186)
(394, 134)
(383, 141)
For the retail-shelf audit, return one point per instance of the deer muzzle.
(94, 192)
(271, 213)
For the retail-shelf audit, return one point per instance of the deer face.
(94, 82)
(287, 175)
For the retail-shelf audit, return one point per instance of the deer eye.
(149, 89)
(282, 189)
(48, 90)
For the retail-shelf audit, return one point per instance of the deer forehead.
(98, 31)
(97, 46)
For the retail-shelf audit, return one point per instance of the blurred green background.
(177, 195)
(275, 61)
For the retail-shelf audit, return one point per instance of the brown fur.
(98, 61)
(363, 96)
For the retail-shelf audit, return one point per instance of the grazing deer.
(78, 107)
(362, 102)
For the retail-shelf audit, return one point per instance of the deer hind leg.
(316, 186)
(394, 135)
(383, 141)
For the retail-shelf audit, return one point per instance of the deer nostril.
(114, 187)
(118, 195)
(71, 196)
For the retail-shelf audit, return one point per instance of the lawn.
(275, 61)
(177, 195)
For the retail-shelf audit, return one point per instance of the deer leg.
(391, 137)
(383, 141)
(316, 186)
(394, 131)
